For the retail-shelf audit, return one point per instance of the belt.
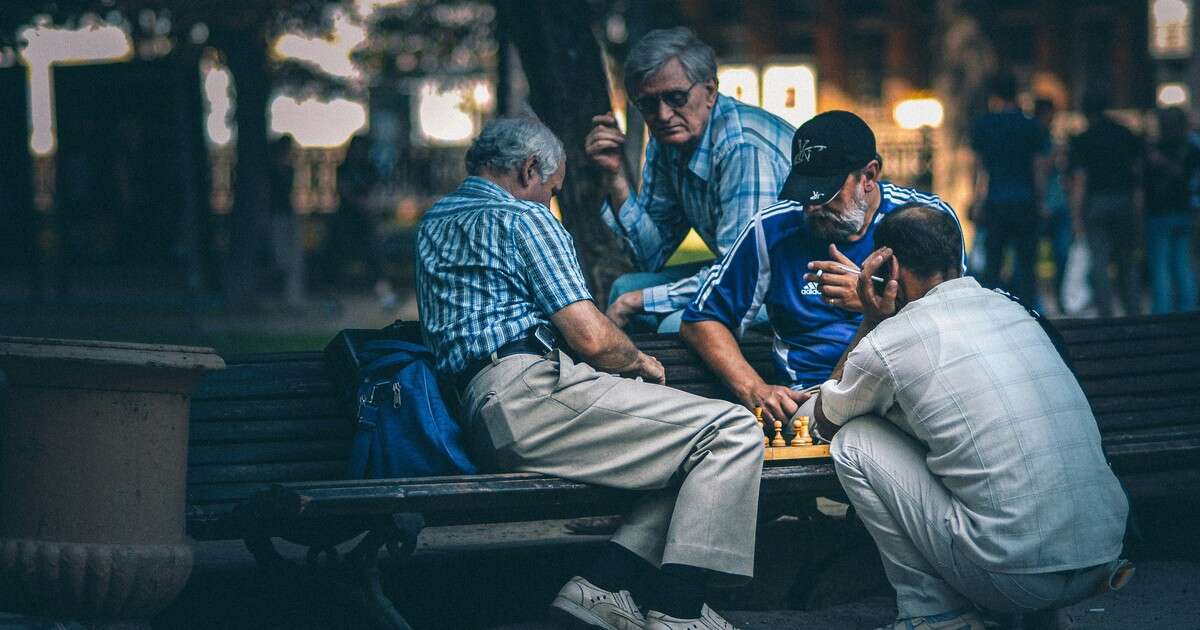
(525, 345)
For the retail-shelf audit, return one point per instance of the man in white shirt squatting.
(965, 443)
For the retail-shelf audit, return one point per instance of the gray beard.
(828, 225)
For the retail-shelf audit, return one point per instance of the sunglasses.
(648, 104)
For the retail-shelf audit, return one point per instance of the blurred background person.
(351, 254)
(1012, 152)
(1172, 168)
(287, 242)
(1057, 220)
(1105, 167)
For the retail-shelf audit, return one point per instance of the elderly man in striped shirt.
(711, 163)
(498, 286)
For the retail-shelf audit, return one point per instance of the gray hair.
(508, 141)
(659, 47)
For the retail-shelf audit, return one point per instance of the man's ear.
(710, 95)
(870, 173)
(529, 173)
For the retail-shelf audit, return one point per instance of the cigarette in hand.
(852, 270)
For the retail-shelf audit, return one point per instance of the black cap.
(825, 150)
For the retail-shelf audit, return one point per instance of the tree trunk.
(245, 51)
(194, 235)
(567, 87)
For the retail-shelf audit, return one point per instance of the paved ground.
(500, 577)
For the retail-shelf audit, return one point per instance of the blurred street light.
(47, 46)
(1170, 29)
(317, 123)
(740, 82)
(790, 91)
(918, 113)
(1173, 95)
(450, 115)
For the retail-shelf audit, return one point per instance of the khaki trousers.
(699, 459)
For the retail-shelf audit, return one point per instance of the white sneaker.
(597, 607)
(708, 620)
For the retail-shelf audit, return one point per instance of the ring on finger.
(819, 272)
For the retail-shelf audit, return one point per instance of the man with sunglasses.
(800, 259)
(711, 163)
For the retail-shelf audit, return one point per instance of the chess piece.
(778, 440)
(802, 437)
(759, 419)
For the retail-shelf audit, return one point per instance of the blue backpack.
(404, 427)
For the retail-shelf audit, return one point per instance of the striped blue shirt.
(738, 166)
(489, 268)
(767, 265)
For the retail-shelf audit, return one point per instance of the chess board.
(776, 447)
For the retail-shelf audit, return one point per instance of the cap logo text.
(805, 152)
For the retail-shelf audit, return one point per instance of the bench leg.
(266, 555)
(359, 573)
(398, 533)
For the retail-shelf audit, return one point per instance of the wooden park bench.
(271, 434)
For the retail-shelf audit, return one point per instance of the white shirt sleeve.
(866, 386)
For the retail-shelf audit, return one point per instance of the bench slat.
(270, 452)
(202, 494)
(266, 430)
(270, 409)
(300, 471)
(1129, 365)
(274, 358)
(1145, 417)
(482, 493)
(1182, 381)
(1150, 435)
(302, 388)
(1118, 350)
(1082, 331)
(1119, 402)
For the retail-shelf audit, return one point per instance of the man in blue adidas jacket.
(800, 259)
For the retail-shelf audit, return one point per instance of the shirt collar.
(475, 186)
(958, 284)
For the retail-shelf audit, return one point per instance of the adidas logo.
(810, 289)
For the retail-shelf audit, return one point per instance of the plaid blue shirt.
(489, 268)
(738, 167)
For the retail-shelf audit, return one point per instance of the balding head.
(925, 240)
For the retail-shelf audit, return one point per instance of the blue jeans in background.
(1172, 270)
(638, 280)
(1061, 233)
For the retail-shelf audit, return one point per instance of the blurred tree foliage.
(427, 37)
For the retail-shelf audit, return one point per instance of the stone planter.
(93, 465)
